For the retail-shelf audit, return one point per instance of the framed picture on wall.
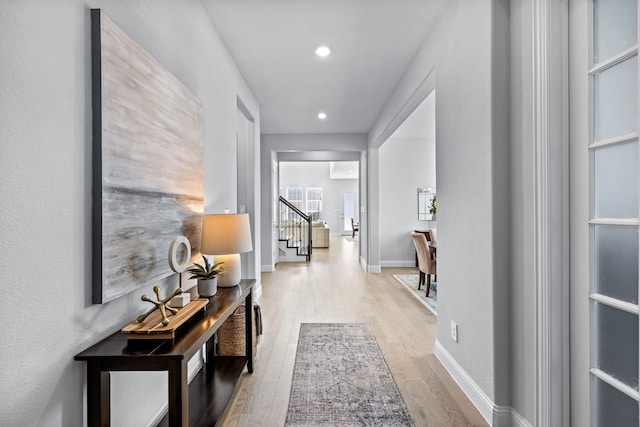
(426, 204)
(147, 163)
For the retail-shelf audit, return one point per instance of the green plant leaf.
(207, 266)
(197, 268)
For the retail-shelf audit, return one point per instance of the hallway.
(334, 288)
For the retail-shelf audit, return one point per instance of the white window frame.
(298, 203)
(310, 200)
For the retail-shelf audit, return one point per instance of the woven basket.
(231, 335)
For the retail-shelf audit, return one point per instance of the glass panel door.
(349, 205)
(613, 148)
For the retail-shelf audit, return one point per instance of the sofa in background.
(320, 234)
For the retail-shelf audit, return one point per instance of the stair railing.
(294, 222)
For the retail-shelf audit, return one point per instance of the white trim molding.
(363, 263)
(541, 212)
(374, 269)
(369, 268)
(550, 216)
(517, 419)
(267, 268)
(398, 264)
(497, 416)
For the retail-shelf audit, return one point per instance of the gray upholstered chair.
(426, 260)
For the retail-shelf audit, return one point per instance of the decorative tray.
(153, 329)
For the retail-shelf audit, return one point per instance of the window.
(314, 200)
(294, 195)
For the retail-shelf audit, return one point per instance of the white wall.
(467, 61)
(316, 174)
(464, 116)
(417, 83)
(405, 165)
(45, 221)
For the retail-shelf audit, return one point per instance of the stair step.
(290, 251)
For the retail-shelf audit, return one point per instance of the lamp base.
(232, 270)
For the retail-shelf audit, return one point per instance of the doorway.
(319, 188)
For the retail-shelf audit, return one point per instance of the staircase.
(295, 234)
(291, 250)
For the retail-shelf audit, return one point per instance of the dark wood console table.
(214, 383)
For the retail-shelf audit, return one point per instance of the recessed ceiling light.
(323, 51)
(322, 116)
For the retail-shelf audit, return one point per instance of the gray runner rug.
(340, 378)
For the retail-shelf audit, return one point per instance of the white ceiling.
(343, 170)
(273, 43)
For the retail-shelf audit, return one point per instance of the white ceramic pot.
(208, 288)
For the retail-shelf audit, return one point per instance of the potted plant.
(432, 208)
(207, 276)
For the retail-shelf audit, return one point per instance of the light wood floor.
(334, 288)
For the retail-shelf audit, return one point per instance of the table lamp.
(226, 236)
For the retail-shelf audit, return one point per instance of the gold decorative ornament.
(160, 304)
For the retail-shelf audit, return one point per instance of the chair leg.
(420, 280)
(428, 284)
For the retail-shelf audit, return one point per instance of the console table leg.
(249, 331)
(178, 395)
(98, 396)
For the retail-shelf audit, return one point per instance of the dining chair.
(354, 227)
(426, 260)
(433, 235)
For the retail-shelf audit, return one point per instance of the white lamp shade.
(224, 234)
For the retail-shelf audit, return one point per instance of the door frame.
(247, 188)
(579, 211)
(345, 231)
(551, 211)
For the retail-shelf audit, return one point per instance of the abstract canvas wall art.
(147, 163)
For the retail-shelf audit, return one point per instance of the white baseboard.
(502, 416)
(496, 416)
(397, 263)
(518, 420)
(472, 390)
(369, 268)
(267, 268)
